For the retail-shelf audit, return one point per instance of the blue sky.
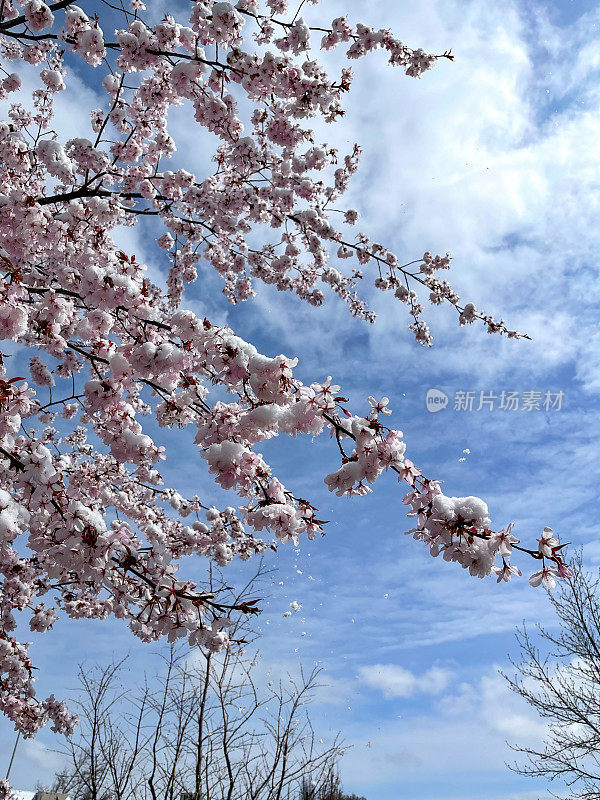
(493, 157)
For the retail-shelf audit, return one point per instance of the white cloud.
(41, 756)
(495, 707)
(464, 733)
(396, 681)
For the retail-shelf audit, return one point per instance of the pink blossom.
(546, 575)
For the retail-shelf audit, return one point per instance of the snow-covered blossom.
(38, 15)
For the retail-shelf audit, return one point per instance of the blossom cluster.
(458, 528)
(91, 530)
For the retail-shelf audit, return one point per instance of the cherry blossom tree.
(88, 527)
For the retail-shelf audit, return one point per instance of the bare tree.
(110, 739)
(330, 788)
(205, 729)
(559, 676)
